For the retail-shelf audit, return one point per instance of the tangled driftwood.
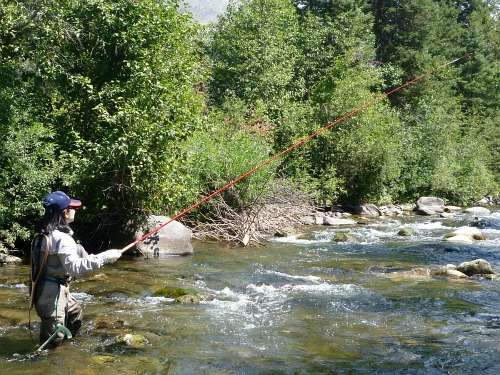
(278, 210)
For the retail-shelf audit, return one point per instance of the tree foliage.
(349, 52)
(253, 58)
(134, 108)
(109, 89)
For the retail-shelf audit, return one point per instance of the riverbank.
(289, 212)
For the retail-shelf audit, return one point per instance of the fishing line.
(292, 147)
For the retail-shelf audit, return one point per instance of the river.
(295, 306)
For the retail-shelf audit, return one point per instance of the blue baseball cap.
(59, 201)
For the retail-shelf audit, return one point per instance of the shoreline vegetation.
(287, 211)
(135, 108)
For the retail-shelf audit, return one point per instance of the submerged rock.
(133, 340)
(344, 237)
(413, 273)
(178, 294)
(99, 277)
(405, 232)
(419, 272)
(102, 359)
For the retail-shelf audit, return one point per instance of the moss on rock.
(170, 292)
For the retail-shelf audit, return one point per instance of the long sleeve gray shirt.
(68, 258)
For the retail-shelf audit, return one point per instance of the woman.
(55, 257)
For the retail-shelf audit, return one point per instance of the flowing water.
(296, 306)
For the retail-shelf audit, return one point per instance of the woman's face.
(69, 215)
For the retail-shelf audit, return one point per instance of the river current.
(300, 305)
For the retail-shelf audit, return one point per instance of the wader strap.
(35, 278)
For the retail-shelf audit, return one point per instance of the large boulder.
(429, 205)
(173, 239)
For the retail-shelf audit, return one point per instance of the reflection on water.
(296, 306)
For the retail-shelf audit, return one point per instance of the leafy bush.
(229, 147)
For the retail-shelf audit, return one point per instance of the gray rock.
(337, 221)
(460, 238)
(364, 210)
(465, 235)
(307, 220)
(370, 210)
(426, 211)
(443, 272)
(405, 232)
(391, 210)
(477, 210)
(345, 237)
(5, 258)
(173, 239)
(475, 267)
(284, 232)
(426, 205)
(319, 219)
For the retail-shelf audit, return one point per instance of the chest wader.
(38, 267)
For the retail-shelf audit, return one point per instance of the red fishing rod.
(350, 114)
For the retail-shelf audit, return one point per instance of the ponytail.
(52, 221)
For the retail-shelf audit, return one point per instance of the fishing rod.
(304, 140)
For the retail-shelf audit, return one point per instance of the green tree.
(26, 144)
(443, 113)
(362, 150)
(254, 55)
(337, 63)
(115, 88)
(479, 81)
